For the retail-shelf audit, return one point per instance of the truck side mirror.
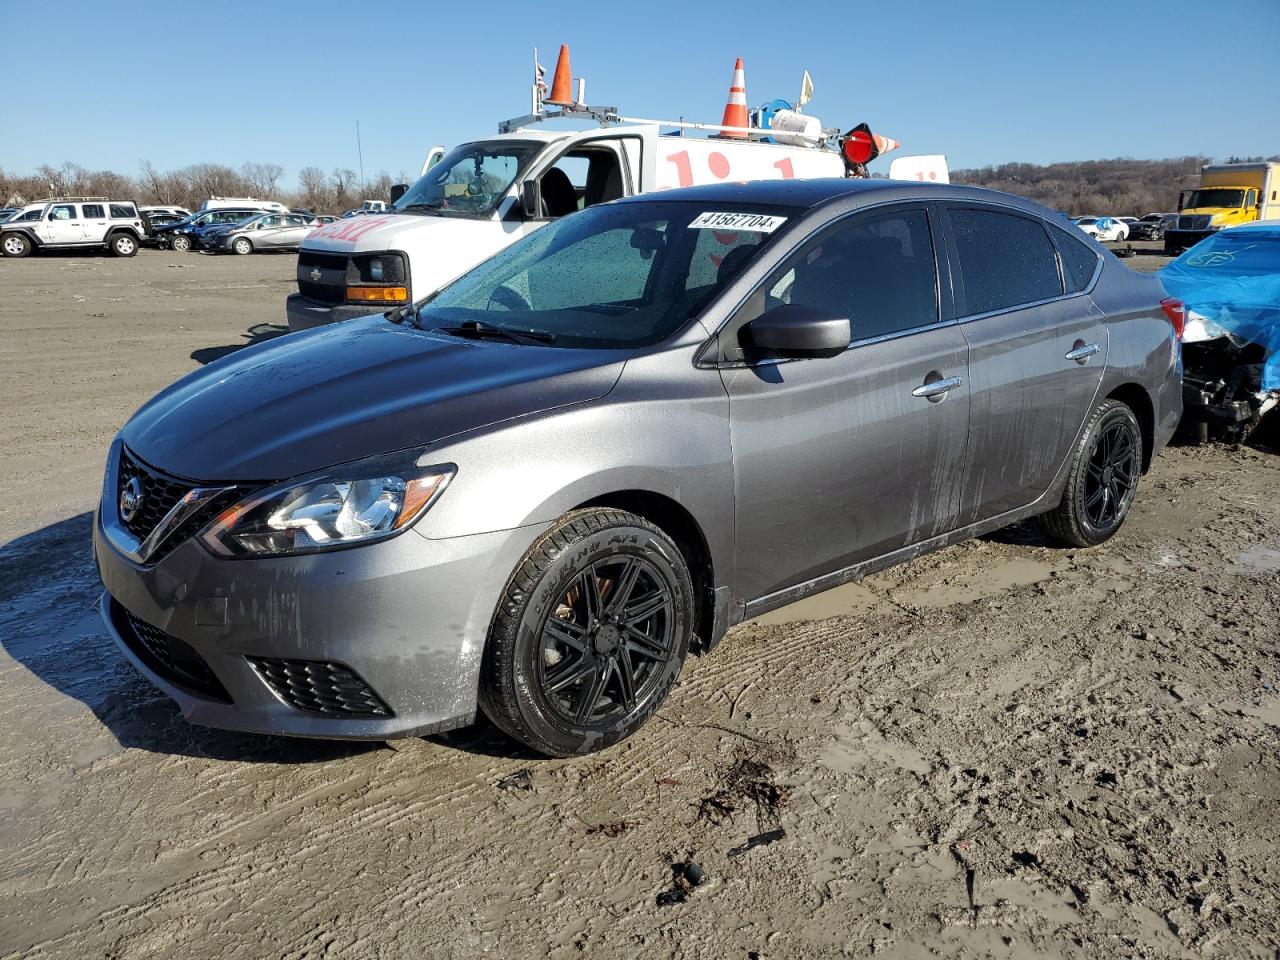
(531, 199)
(398, 190)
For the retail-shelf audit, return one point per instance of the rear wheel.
(181, 242)
(1103, 481)
(590, 634)
(15, 245)
(123, 245)
(242, 245)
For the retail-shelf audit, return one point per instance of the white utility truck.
(484, 195)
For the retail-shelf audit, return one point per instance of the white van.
(484, 195)
(247, 203)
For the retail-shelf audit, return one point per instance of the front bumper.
(407, 616)
(304, 313)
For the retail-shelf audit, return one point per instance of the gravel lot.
(999, 750)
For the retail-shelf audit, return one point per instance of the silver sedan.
(271, 231)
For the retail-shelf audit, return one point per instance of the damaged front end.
(1222, 393)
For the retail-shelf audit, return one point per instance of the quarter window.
(1079, 259)
(93, 211)
(123, 211)
(878, 270)
(1005, 260)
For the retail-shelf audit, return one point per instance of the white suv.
(62, 222)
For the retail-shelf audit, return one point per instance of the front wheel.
(123, 245)
(590, 634)
(181, 243)
(1103, 481)
(15, 245)
(242, 245)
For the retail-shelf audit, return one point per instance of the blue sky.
(111, 83)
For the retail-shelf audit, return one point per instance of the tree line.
(1122, 187)
(334, 192)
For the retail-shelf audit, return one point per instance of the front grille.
(330, 286)
(160, 492)
(1199, 221)
(320, 686)
(171, 658)
(321, 292)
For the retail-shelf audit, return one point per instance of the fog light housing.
(377, 294)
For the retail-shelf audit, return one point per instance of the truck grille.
(1198, 221)
(167, 656)
(323, 276)
(320, 686)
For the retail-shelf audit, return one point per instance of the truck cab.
(484, 195)
(1228, 195)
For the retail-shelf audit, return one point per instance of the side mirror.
(792, 330)
(398, 190)
(531, 199)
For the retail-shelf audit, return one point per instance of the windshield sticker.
(754, 222)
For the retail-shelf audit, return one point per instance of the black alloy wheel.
(590, 633)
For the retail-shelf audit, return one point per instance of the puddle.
(988, 581)
(1259, 559)
(846, 600)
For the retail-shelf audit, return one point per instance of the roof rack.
(609, 116)
(69, 199)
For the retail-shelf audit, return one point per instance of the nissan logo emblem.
(130, 499)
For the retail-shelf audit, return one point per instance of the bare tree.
(262, 178)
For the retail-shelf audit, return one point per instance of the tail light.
(1176, 311)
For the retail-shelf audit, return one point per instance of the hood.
(310, 400)
(386, 231)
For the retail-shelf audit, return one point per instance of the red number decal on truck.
(784, 166)
(683, 170)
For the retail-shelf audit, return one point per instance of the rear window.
(1079, 259)
(123, 211)
(1005, 260)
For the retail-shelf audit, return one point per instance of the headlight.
(350, 505)
(1198, 329)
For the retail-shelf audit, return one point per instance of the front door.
(62, 224)
(1037, 350)
(843, 459)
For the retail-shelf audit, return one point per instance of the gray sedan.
(271, 231)
(534, 493)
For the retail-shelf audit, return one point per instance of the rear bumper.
(1186, 238)
(304, 313)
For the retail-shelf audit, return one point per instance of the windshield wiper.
(422, 205)
(481, 330)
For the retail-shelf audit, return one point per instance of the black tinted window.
(123, 211)
(1079, 259)
(877, 270)
(1005, 260)
(93, 211)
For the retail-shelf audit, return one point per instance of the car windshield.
(1243, 253)
(470, 179)
(613, 276)
(1214, 198)
(1086, 221)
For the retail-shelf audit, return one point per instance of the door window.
(64, 212)
(876, 269)
(94, 211)
(1005, 260)
(272, 221)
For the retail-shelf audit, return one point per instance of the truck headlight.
(355, 504)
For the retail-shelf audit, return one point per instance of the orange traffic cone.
(885, 144)
(562, 83)
(735, 110)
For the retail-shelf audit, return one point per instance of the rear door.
(841, 459)
(94, 218)
(1037, 351)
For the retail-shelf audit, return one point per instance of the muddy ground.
(1000, 750)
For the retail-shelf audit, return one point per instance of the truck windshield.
(1214, 198)
(613, 276)
(470, 179)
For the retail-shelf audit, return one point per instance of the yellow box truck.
(1229, 194)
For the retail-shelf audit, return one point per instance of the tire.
(15, 245)
(1105, 468)
(242, 245)
(181, 243)
(123, 245)
(558, 637)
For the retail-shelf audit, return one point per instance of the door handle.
(1082, 351)
(935, 390)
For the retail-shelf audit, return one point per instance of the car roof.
(1259, 226)
(813, 193)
